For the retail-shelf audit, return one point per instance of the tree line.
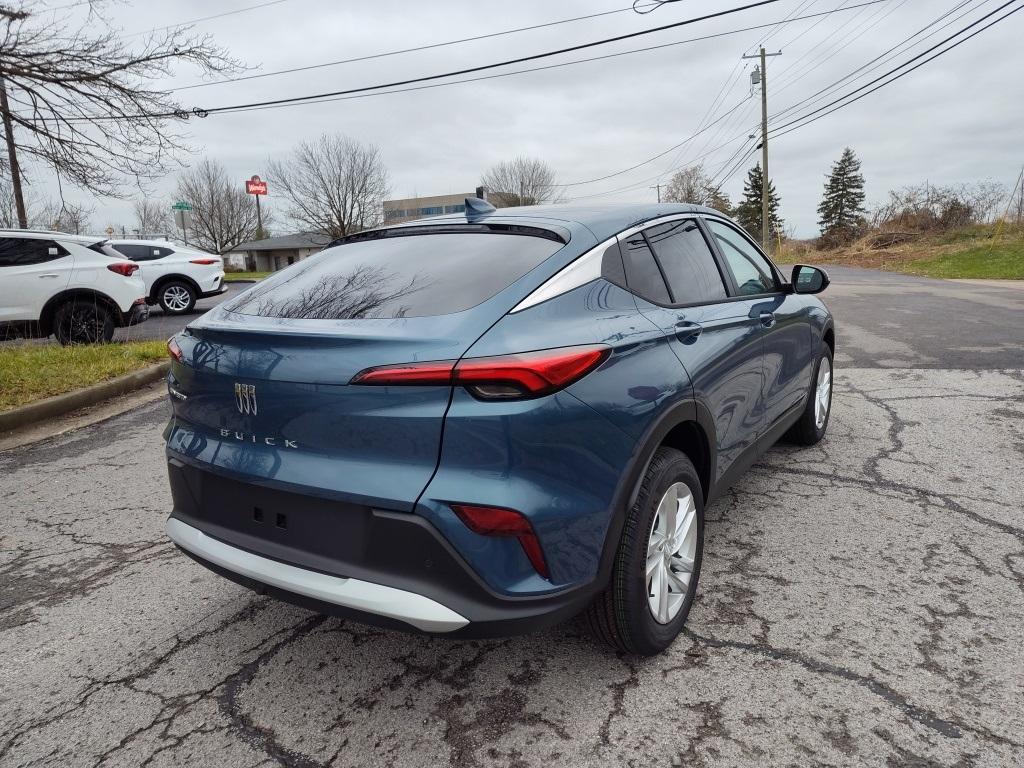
(842, 214)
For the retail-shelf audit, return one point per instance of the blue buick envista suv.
(485, 423)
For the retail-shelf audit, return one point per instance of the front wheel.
(83, 322)
(176, 298)
(654, 578)
(810, 427)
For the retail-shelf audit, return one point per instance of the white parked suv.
(175, 277)
(76, 288)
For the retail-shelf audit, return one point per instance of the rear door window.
(687, 262)
(643, 276)
(412, 275)
(18, 251)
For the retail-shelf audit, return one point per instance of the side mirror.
(807, 279)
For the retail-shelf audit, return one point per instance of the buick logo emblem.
(245, 398)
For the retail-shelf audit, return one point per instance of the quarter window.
(141, 252)
(643, 276)
(20, 252)
(686, 259)
(751, 270)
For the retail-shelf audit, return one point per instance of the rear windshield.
(409, 276)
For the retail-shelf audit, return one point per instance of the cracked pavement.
(861, 603)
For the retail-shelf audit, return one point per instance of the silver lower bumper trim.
(417, 610)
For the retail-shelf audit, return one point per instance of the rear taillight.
(126, 268)
(204, 262)
(495, 521)
(506, 377)
(174, 350)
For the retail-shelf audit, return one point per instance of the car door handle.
(688, 332)
(767, 319)
(49, 274)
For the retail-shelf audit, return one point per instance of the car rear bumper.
(392, 569)
(419, 611)
(138, 313)
(219, 287)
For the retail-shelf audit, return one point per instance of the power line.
(796, 70)
(821, 112)
(205, 18)
(651, 159)
(495, 76)
(468, 70)
(885, 56)
(385, 54)
(642, 182)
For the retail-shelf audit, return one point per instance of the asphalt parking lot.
(861, 603)
(161, 326)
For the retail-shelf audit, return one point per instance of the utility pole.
(12, 157)
(766, 237)
(657, 187)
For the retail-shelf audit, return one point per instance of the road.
(860, 604)
(161, 326)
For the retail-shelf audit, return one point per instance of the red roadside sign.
(256, 186)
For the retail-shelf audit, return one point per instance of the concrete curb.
(58, 405)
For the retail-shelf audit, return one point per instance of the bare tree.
(520, 181)
(334, 184)
(924, 207)
(64, 216)
(34, 207)
(223, 215)
(152, 216)
(77, 98)
(694, 185)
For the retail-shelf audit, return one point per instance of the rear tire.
(811, 426)
(654, 577)
(176, 297)
(83, 322)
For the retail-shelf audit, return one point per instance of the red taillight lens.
(529, 374)
(204, 262)
(436, 372)
(174, 350)
(126, 268)
(495, 521)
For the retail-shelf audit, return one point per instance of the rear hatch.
(263, 392)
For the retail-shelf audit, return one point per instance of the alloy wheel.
(177, 298)
(822, 393)
(84, 326)
(671, 551)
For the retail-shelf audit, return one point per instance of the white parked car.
(76, 288)
(176, 277)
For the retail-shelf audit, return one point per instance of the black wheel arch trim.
(682, 412)
(74, 294)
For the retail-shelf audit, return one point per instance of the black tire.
(621, 616)
(806, 430)
(83, 322)
(176, 297)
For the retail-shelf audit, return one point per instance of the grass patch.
(975, 252)
(232, 276)
(30, 372)
(998, 261)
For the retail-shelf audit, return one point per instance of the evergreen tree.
(748, 211)
(841, 212)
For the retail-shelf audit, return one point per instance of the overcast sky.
(957, 119)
